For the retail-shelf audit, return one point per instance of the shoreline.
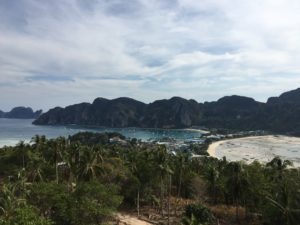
(213, 146)
(262, 148)
(196, 130)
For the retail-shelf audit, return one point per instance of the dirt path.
(131, 220)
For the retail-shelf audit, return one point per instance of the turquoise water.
(14, 130)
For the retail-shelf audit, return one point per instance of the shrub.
(199, 214)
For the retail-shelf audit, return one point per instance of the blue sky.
(68, 51)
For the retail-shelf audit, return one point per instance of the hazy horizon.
(57, 53)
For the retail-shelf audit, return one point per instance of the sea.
(13, 131)
(262, 148)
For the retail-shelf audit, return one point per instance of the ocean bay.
(14, 130)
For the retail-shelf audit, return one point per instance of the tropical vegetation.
(87, 178)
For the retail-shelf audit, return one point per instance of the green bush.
(25, 215)
(198, 214)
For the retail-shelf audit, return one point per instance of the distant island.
(278, 114)
(21, 113)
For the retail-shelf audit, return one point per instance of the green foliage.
(15, 210)
(79, 182)
(283, 200)
(198, 214)
(94, 202)
(90, 203)
(53, 200)
(26, 215)
(90, 139)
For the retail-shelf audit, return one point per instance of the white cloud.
(146, 49)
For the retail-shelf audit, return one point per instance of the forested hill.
(281, 114)
(21, 113)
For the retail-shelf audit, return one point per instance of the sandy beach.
(197, 130)
(262, 148)
(213, 146)
(131, 220)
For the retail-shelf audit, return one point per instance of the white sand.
(131, 220)
(197, 130)
(213, 146)
(262, 148)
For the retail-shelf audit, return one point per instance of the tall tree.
(236, 184)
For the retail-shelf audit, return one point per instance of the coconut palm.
(8, 200)
(212, 176)
(162, 160)
(58, 151)
(277, 167)
(23, 149)
(182, 160)
(287, 213)
(133, 162)
(38, 142)
(191, 221)
(69, 159)
(35, 168)
(236, 183)
(90, 164)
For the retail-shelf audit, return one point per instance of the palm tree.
(35, 168)
(236, 183)
(182, 161)
(278, 166)
(8, 201)
(254, 195)
(90, 164)
(212, 176)
(284, 193)
(58, 149)
(190, 221)
(162, 161)
(132, 161)
(69, 159)
(287, 213)
(23, 149)
(170, 172)
(38, 141)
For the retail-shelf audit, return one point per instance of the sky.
(61, 52)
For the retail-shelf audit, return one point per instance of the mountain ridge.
(280, 114)
(21, 112)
